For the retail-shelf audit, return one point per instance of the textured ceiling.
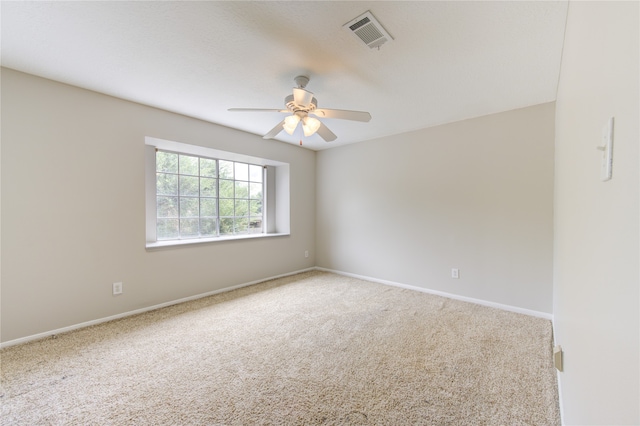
(448, 61)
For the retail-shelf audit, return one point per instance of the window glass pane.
(255, 207)
(242, 189)
(188, 165)
(167, 207)
(242, 208)
(166, 162)
(226, 226)
(255, 191)
(189, 227)
(242, 171)
(226, 207)
(207, 187)
(208, 227)
(241, 225)
(226, 188)
(166, 184)
(208, 207)
(192, 191)
(167, 229)
(189, 185)
(188, 208)
(226, 169)
(207, 167)
(255, 173)
(255, 225)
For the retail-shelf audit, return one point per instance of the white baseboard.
(448, 295)
(138, 311)
(211, 293)
(558, 377)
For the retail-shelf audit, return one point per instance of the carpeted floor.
(314, 348)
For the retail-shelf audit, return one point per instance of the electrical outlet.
(306, 253)
(117, 288)
(455, 273)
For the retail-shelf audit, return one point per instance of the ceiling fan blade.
(343, 114)
(273, 132)
(326, 134)
(302, 97)
(256, 110)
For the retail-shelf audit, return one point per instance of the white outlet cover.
(117, 288)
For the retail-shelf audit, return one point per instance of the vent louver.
(367, 28)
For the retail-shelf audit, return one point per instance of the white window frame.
(275, 197)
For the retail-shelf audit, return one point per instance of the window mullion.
(264, 199)
(179, 202)
(199, 202)
(217, 197)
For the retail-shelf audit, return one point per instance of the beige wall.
(475, 195)
(73, 209)
(596, 277)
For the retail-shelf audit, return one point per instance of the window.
(198, 194)
(206, 197)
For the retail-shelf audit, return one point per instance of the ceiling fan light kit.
(290, 123)
(301, 105)
(310, 125)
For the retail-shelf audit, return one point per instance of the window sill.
(173, 243)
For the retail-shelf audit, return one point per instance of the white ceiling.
(449, 60)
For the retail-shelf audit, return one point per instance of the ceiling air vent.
(367, 28)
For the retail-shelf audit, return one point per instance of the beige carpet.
(314, 348)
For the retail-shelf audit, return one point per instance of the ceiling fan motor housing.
(292, 106)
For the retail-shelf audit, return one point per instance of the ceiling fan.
(303, 108)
